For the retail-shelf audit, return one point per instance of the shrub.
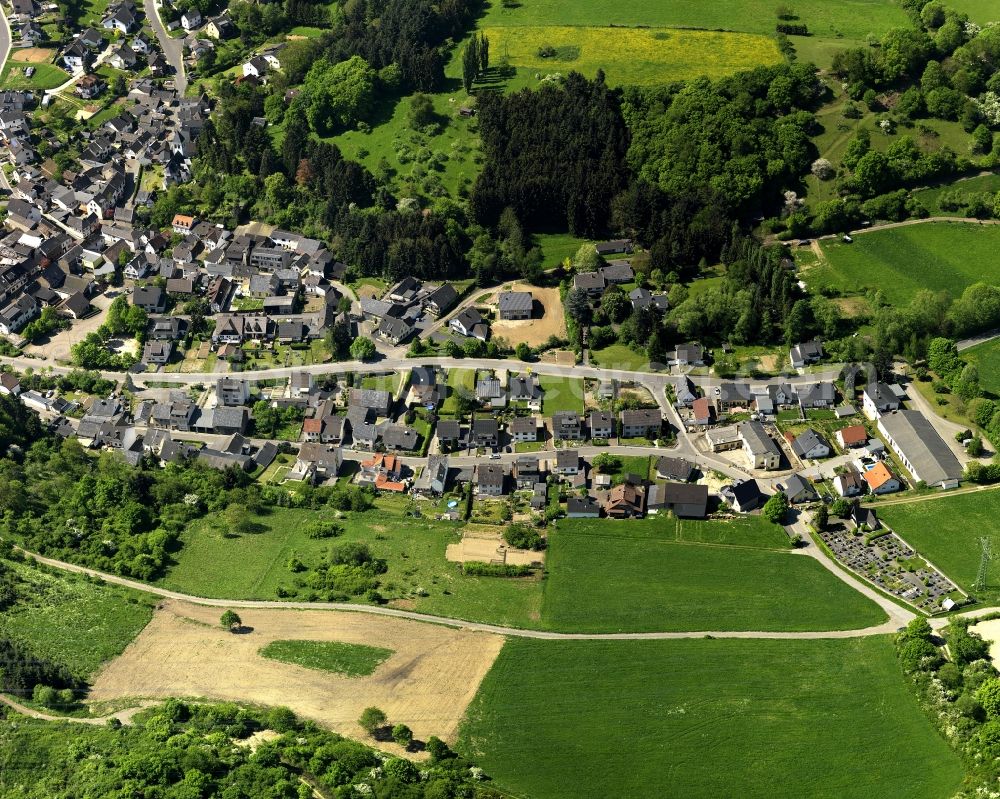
(522, 536)
(476, 568)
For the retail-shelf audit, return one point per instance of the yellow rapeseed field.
(638, 56)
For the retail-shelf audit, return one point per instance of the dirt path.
(930, 497)
(124, 716)
(461, 624)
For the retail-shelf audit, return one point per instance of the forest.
(181, 751)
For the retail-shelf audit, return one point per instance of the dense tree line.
(555, 155)
(411, 34)
(961, 694)
(178, 750)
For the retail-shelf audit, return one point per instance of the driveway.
(58, 347)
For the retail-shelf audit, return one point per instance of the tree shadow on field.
(243, 629)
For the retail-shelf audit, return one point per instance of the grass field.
(418, 161)
(665, 574)
(561, 394)
(47, 76)
(980, 183)
(849, 19)
(987, 358)
(705, 719)
(947, 531)
(556, 247)
(979, 11)
(901, 261)
(72, 621)
(618, 356)
(632, 56)
(354, 660)
(418, 576)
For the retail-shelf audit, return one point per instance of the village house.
(514, 305)
(485, 432)
(490, 479)
(566, 426)
(881, 480)
(641, 423)
(809, 444)
(470, 323)
(852, 437)
(433, 480)
(685, 500)
(601, 424)
(524, 429)
(758, 446)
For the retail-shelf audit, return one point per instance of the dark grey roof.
(515, 301)
(931, 457)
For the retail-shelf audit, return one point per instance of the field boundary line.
(494, 629)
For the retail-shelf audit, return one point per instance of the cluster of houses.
(617, 271)
(593, 494)
(395, 317)
(65, 239)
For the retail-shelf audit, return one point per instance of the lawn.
(665, 574)
(632, 56)
(561, 394)
(618, 356)
(47, 76)
(353, 660)
(901, 261)
(706, 718)
(946, 531)
(557, 247)
(458, 380)
(987, 358)
(74, 622)
(418, 576)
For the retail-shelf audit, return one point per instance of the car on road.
(495, 456)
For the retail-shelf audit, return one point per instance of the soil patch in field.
(33, 55)
(427, 684)
(548, 319)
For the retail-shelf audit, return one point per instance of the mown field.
(947, 531)
(706, 718)
(664, 574)
(987, 358)
(46, 76)
(901, 261)
(71, 621)
(561, 394)
(602, 576)
(847, 19)
(632, 56)
(979, 11)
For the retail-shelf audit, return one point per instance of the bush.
(522, 536)
(476, 568)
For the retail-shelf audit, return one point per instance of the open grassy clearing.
(618, 356)
(946, 531)
(979, 11)
(980, 183)
(561, 394)
(46, 76)
(849, 19)
(418, 576)
(987, 358)
(72, 621)
(418, 161)
(354, 660)
(557, 247)
(632, 56)
(901, 261)
(665, 574)
(698, 718)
